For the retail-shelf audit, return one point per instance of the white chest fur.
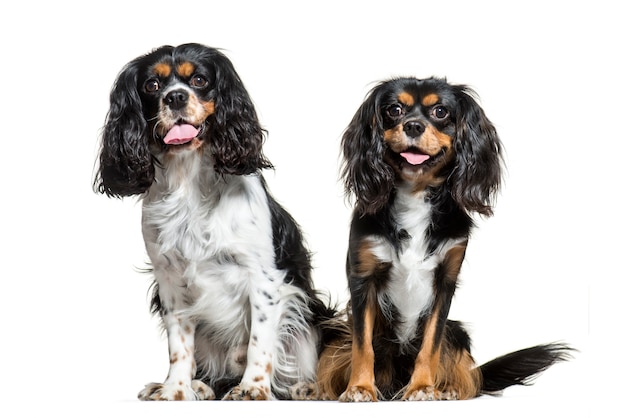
(410, 287)
(208, 238)
(210, 241)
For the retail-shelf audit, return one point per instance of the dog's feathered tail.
(521, 367)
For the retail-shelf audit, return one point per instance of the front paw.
(176, 392)
(202, 390)
(358, 394)
(248, 393)
(304, 391)
(430, 394)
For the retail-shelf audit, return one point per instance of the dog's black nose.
(414, 128)
(176, 99)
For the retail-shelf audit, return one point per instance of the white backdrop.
(77, 334)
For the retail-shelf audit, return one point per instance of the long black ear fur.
(364, 172)
(477, 176)
(126, 165)
(236, 134)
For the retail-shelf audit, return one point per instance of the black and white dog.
(232, 274)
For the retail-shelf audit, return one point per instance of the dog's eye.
(394, 111)
(198, 81)
(151, 85)
(439, 112)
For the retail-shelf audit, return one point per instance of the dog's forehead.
(167, 68)
(424, 97)
(420, 93)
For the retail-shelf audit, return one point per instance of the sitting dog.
(232, 275)
(420, 157)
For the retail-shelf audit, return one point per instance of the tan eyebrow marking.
(430, 99)
(185, 69)
(162, 70)
(406, 99)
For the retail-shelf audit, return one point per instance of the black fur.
(521, 367)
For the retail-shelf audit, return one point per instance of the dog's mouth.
(414, 157)
(180, 134)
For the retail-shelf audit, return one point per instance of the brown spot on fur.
(367, 262)
(173, 358)
(430, 99)
(209, 107)
(179, 395)
(268, 368)
(406, 99)
(453, 260)
(433, 140)
(394, 137)
(185, 69)
(163, 70)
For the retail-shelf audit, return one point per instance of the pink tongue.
(413, 158)
(180, 134)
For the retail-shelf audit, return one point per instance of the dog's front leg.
(361, 386)
(256, 381)
(178, 385)
(363, 266)
(422, 385)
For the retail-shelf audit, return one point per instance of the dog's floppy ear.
(126, 165)
(236, 134)
(364, 173)
(477, 176)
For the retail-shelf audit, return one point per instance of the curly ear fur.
(476, 178)
(365, 174)
(236, 134)
(126, 165)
